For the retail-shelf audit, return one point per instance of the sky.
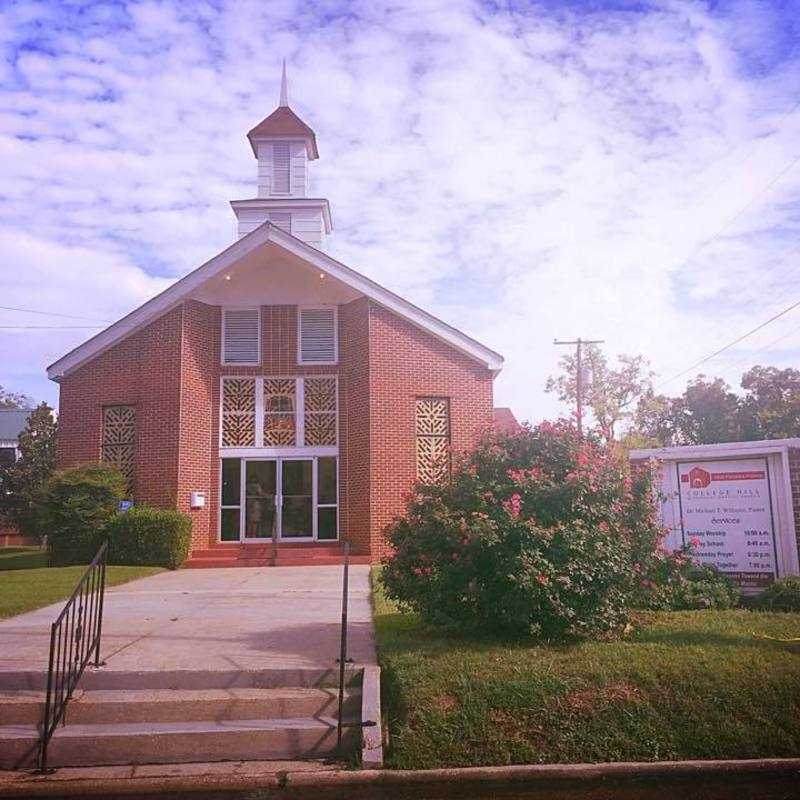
(625, 171)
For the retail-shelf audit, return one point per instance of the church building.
(281, 399)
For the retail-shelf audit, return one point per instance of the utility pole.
(578, 343)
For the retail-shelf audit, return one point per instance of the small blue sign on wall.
(125, 505)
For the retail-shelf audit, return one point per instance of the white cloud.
(533, 174)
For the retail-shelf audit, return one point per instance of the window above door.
(279, 413)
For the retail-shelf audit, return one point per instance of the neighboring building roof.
(284, 122)
(503, 419)
(265, 235)
(12, 423)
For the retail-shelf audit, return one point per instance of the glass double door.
(278, 499)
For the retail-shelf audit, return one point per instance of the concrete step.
(106, 706)
(175, 742)
(106, 678)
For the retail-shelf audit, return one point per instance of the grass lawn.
(22, 558)
(683, 685)
(25, 589)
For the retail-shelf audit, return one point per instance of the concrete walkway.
(215, 619)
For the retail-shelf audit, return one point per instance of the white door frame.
(278, 461)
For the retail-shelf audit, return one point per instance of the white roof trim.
(274, 203)
(697, 452)
(263, 234)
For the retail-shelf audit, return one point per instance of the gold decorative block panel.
(432, 424)
(319, 408)
(118, 445)
(239, 412)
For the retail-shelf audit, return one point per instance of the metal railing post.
(48, 702)
(100, 605)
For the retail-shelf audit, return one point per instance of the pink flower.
(543, 579)
(513, 505)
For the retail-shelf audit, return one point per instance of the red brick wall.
(198, 460)
(794, 479)
(406, 363)
(143, 371)
(354, 461)
(170, 371)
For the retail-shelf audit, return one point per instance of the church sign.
(732, 505)
(726, 517)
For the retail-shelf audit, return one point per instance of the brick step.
(107, 706)
(175, 742)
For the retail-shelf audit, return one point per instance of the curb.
(658, 779)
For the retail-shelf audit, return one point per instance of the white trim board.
(264, 234)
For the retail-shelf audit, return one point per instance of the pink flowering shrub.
(537, 533)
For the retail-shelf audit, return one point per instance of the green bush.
(539, 533)
(677, 583)
(149, 537)
(76, 504)
(783, 595)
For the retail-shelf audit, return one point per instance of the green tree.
(608, 392)
(707, 412)
(654, 422)
(21, 483)
(12, 401)
(771, 406)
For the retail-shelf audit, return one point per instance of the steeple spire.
(284, 101)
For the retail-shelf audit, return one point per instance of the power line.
(728, 346)
(49, 327)
(51, 314)
(750, 356)
(741, 211)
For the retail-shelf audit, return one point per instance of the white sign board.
(726, 516)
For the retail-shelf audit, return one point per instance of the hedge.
(149, 537)
(76, 505)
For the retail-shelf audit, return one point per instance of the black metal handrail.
(343, 645)
(74, 638)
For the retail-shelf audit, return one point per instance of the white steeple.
(284, 145)
(284, 101)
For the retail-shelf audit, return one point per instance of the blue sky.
(625, 171)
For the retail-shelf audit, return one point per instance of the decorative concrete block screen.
(432, 421)
(119, 440)
(279, 412)
(239, 412)
(320, 411)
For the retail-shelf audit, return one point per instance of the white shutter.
(280, 167)
(241, 340)
(317, 339)
(282, 219)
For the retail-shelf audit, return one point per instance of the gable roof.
(283, 122)
(12, 423)
(503, 420)
(265, 234)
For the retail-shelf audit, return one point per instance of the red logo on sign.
(699, 478)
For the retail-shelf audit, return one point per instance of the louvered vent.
(280, 168)
(317, 336)
(283, 220)
(240, 339)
